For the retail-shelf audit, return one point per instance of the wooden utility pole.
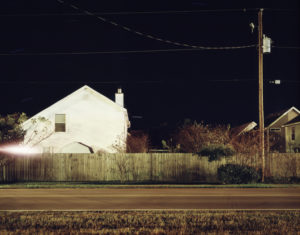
(260, 93)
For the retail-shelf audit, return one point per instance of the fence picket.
(156, 167)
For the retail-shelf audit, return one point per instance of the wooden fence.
(152, 167)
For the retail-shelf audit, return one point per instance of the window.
(293, 133)
(60, 123)
(274, 129)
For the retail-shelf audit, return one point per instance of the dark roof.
(295, 120)
(269, 119)
(273, 116)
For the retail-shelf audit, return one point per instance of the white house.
(284, 123)
(83, 122)
(292, 135)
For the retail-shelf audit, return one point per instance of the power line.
(99, 52)
(154, 37)
(117, 52)
(47, 82)
(128, 13)
(149, 12)
(286, 47)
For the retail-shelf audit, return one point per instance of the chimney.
(119, 97)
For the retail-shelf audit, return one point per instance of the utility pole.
(260, 93)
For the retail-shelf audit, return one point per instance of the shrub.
(237, 174)
(192, 137)
(249, 142)
(214, 152)
(10, 129)
(137, 142)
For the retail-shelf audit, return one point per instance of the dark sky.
(216, 86)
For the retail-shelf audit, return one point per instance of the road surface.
(172, 198)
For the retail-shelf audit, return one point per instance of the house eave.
(292, 108)
(291, 124)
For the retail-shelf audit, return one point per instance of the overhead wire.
(191, 47)
(154, 37)
(148, 12)
(100, 52)
(128, 12)
(239, 80)
(117, 52)
(286, 47)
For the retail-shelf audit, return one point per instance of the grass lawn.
(150, 222)
(114, 185)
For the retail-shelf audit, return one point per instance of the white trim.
(249, 127)
(292, 108)
(291, 124)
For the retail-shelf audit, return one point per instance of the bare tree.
(192, 138)
(248, 143)
(40, 129)
(137, 142)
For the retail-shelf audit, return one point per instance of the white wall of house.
(90, 118)
(277, 127)
(292, 137)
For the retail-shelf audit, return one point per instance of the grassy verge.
(114, 185)
(151, 222)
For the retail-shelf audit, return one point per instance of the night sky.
(37, 39)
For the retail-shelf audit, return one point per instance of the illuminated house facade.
(83, 122)
(292, 135)
(286, 124)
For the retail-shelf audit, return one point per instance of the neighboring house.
(276, 123)
(83, 122)
(292, 135)
(237, 131)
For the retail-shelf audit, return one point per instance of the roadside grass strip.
(151, 222)
(103, 185)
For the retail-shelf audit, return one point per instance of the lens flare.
(18, 149)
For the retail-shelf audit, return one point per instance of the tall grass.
(151, 222)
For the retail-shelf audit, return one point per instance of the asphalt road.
(197, 198)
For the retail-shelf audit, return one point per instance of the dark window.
(293, 133)
(274, 129)
(60, 123)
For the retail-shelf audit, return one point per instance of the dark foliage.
(249, 143)
(237, 174)
(10, 131)
(215, 152)
(137, 142)
(192, 137)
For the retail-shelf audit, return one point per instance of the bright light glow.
(18, 149)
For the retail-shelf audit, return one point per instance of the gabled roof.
(274, 117)
(88, 90)
(293, 121)
(236, 131)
